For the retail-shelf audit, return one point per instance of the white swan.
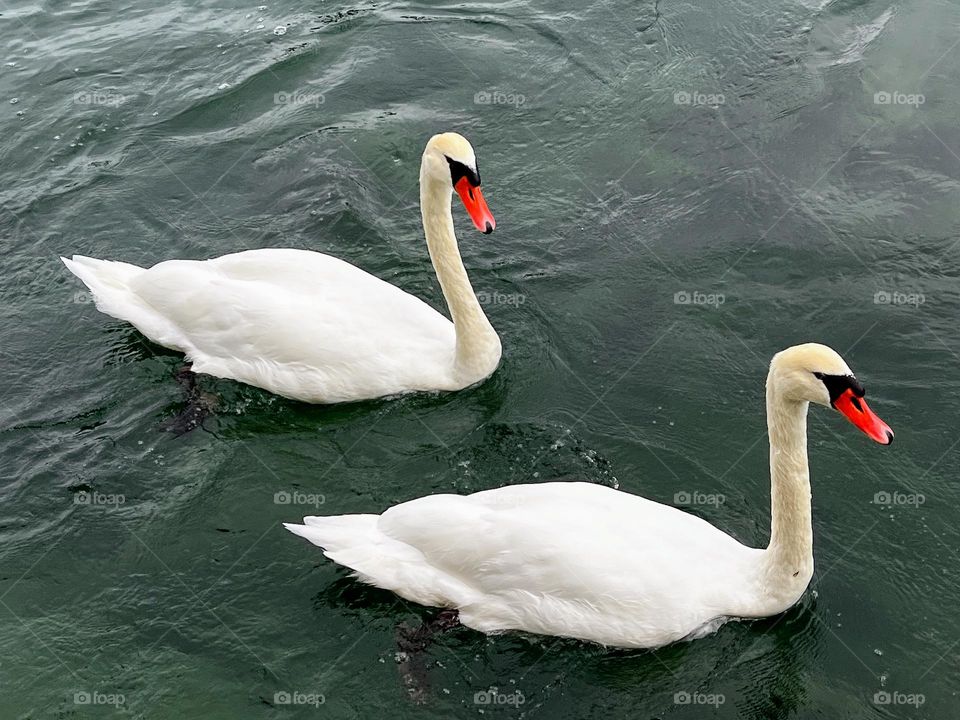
(589, 562)
(312, 327)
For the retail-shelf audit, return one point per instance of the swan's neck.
(788, 560)
(478, 347)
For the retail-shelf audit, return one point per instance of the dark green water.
(630, 152)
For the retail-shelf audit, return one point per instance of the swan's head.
(815, 373)
(449, 160)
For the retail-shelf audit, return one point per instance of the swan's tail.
(337, 533)
(107, 280)
(356, 542)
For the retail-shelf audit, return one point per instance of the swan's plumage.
(561, 558)
(298, 323)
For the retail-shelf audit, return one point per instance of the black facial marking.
(458, 170)
(837, 385)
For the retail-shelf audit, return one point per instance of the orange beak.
(856, 411)
(476, 206)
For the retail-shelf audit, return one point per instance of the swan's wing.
(572, 538)
(278, 315)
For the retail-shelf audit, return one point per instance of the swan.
(596, 564)
(312, 327)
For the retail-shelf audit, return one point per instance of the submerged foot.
(412, 642)
(199, 406)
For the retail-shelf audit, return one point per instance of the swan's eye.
(458, 171)
(837, 385)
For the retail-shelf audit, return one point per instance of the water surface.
(787, 168)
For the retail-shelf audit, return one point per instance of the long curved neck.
(477, 343)
(789, 556)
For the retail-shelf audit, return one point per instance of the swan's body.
(310, 326)
(564, 558)
(597, 564)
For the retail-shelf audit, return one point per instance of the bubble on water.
(877, 651)
(261, 8)
(155, 113)
(219, 45)
(56, 137)
(11, 64)
(280, 30)
(14, 101)
(261, 26)
(248, 16)
(223, 86)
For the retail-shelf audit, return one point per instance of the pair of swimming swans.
(560, 558)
